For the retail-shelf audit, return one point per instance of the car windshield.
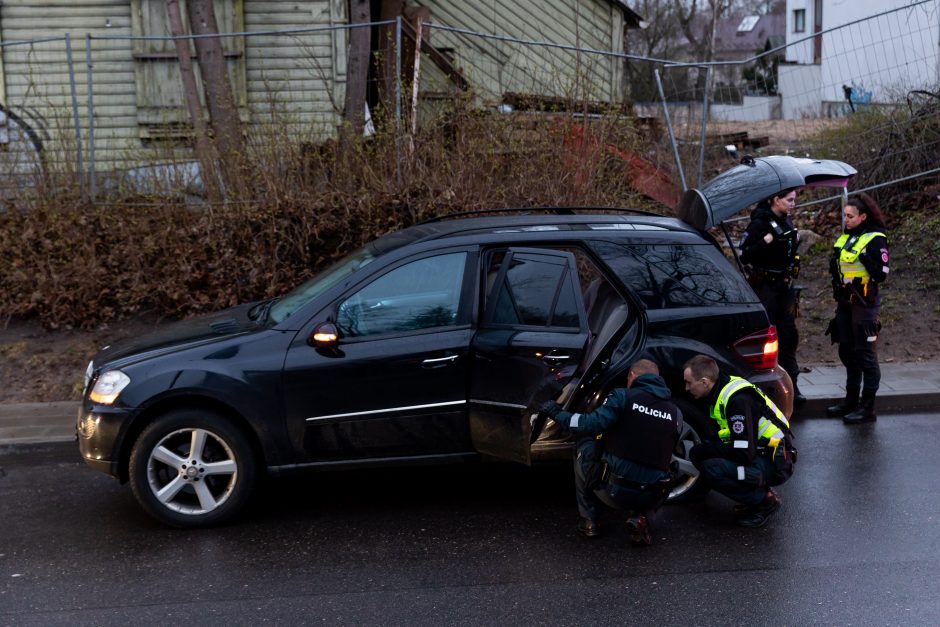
(285, 307)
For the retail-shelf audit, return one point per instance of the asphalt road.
(857, 542)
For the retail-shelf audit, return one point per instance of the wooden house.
(288, 65)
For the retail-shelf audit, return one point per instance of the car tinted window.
(527, 294)
(303, 294)
(566, 311)
(666, 276)
(422, 294)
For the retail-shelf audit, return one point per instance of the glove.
(832, 330)
(550, 409)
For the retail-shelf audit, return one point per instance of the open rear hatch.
(755, 179)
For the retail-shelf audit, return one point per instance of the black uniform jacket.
(742, 412)
(776, 256)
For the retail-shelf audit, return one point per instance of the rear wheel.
(694, 430)
(192, 468)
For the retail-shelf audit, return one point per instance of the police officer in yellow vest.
(754, 449)
(859, 264)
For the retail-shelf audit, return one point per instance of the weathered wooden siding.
(296, 77)
(36, 76)
(496, 67)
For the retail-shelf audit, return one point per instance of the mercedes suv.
(434, 343)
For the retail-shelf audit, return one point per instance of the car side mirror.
(325, 335)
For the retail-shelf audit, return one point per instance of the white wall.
(800, 90)
(881, 58)
(803, 51)
(887, 56)
(751, 109)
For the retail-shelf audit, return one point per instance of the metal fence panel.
(115, 105)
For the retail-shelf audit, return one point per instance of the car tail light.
(759, 350)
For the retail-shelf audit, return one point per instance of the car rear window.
(667, 276)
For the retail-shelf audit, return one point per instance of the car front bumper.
(99, 432)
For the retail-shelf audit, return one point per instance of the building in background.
(862, 62)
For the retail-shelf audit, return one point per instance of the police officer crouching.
(627, 465)
(754, 451)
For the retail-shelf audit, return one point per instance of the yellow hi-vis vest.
(766, 429)
(849, 249)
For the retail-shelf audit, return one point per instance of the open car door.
(531, 338)
(755, 179)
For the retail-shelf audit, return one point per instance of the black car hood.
(754, 180)
(174, 336)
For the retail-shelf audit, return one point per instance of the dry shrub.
(889, 143)
(301, 206)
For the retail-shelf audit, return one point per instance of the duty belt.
(628, 484)
(771, 276)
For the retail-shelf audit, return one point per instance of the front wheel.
(688, 483)
(192, 468)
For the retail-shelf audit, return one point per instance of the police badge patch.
(737, 424)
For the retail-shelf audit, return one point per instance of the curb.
(888, 404)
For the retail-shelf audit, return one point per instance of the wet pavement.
(856, 542)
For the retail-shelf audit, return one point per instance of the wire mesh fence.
(110, 112)
(37, 124)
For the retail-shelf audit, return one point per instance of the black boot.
(847, 406)
(589, 527)
(758, 515)
(864, 413)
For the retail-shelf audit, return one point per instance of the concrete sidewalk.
(910, 386)
(904, 387)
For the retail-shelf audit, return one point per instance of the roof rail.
(567, 211)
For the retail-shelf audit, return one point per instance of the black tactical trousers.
(780, 301)
(857, 333)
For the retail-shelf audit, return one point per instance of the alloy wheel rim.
(688, 473)
(192, 471)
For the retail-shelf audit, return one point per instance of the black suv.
(429, 344)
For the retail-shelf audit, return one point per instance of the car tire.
(695, 428)
(192, 468)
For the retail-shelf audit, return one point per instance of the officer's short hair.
(702, 367)
(644, 366)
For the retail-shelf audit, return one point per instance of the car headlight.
(108, 386)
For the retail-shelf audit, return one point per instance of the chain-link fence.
(801, 96)
(38, 125)
(111, 112)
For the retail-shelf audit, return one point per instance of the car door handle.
(439, 361)
(554, 359)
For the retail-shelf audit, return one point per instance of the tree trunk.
(223, 113)
(357, 71)
(205, 152)
(386, 64)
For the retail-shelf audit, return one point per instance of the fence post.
(78, 126)
(672, 136)
(701, 153)
(92, 183)
(398, 100)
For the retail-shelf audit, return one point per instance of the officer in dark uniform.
(769, 251)
(754, 449)
(859, 264)
(627, 466)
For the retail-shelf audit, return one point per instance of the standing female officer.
(859, 264)
(769, 250)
